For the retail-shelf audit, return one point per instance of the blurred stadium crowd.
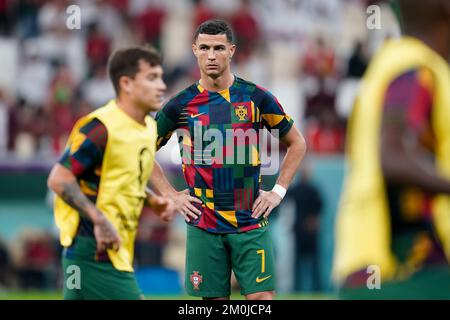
(311, 54)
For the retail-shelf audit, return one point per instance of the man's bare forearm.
(72, 195)
(64, 184)
(406, 165)
(159, 182)
(295, 152)
(405, 169)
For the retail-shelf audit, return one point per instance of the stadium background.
(310, 53)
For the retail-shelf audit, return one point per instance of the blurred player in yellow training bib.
(393, 227)
(101, 181)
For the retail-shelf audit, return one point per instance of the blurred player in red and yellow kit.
(395, 207)
(101, 179)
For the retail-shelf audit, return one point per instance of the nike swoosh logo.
(196, 115)
(258, 279)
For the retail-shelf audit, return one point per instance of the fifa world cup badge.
(196, 279)
(241, 112)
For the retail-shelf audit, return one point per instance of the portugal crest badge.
(196, 279)
(241, 112)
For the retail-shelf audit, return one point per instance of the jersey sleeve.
(273, 115)
(86, 148)
(409, 99)
(167, 120)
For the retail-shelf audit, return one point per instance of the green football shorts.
(210, 257)
(91, 280)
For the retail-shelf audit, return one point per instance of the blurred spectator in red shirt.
(149, 23)
(37, 261)
(202, 13)
(319, 60)
(120, 5)
(322, 99)
(98, 46)
(326, 135)
(246, 31)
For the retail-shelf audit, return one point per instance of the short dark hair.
(125, 62)
(215, 26)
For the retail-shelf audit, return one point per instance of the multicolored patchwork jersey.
(219, 134)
